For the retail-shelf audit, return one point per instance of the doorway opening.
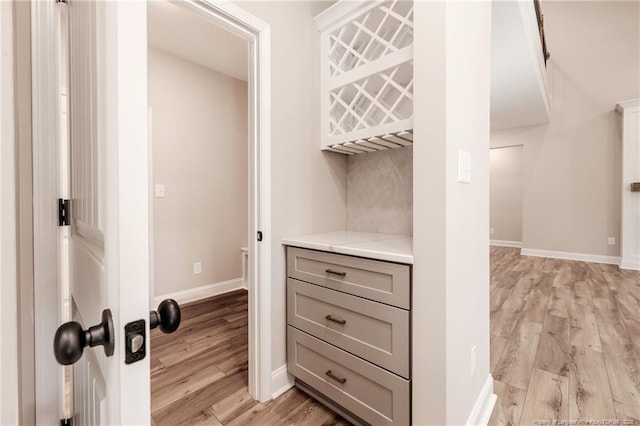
(506, 195)
(200, 204)
(199, 149)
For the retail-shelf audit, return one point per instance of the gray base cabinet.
(349, 331)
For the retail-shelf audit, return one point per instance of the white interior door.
(108, 241)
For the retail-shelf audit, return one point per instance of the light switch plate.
(464, 167)
(159, 190)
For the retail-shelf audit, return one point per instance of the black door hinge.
(259, 235)
(66, 422)
(63, 212)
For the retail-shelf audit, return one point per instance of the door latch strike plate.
(259, 235)
(135, 337)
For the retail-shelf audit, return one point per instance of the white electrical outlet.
(474, 361)
(197, 268)
(159, 190)
(611, 241)
(492, 231)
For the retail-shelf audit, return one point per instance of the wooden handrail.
(540, 17)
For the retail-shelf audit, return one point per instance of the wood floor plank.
(623, 368)
(589, 393)
(323, 416)
(269, 414)
(621, 415)
(581, 294)
(218, 347)
(633, 328)
(175, 389)
(508, 408)
(233, 405)
(553, 353)
(562, 277)
(584, 332)
(506, 319)
(183, 410)
(547, 398)
(204, 418)
(559, 301)
(514, 368)
(497, 348)
(538, 299)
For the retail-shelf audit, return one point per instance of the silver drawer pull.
(331, 271)
(339, 321)
(341, 380)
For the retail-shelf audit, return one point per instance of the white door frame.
(46, 109)
(46, 189)
(258, 36)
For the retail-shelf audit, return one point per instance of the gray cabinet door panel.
(370, 392)
(376, 332)
(372, 279)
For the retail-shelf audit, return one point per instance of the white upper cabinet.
(367, 75)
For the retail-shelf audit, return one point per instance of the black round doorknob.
(70, 339)
(167, 317)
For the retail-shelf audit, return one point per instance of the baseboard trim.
(630, 264)
(565, 255)
(482, 409)
(281, 381)
(504, 243)
(210, 290)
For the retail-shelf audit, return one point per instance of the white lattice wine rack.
(367, 75)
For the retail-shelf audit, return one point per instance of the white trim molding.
(565, 255)
(630, 202)
(504, 243)
(45, 55)
(633, 265)
(202, 292)
(281, 381)
(482, 409)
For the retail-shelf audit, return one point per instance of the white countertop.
(390, 247)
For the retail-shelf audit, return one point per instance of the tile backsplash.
(380, 191)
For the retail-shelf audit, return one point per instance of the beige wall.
(380, 191)
(571, 200)
(199, 150)
(450, 238)
(308, 185)
(506, 193)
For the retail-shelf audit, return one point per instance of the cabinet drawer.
(372, 279)
(371, 393)
(373, 331)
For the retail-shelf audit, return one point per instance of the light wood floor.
(565, 340)
(199, 373)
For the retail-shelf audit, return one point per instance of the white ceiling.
(193, 37)
(518, 93)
